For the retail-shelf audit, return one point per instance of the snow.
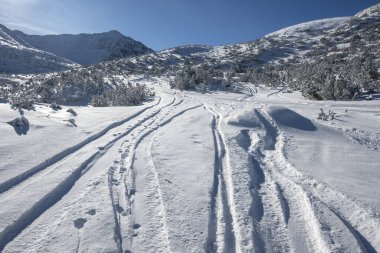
(343, 45)
(316, 25)
(192, 172)
(20, 57)
(87, 48)
(188, 172)
(24, 54)
(369, 11)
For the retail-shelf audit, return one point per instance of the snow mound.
(289, 118)
(244, 119)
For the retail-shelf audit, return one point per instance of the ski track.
(224, 231)
(289, 212)
(269, 209)
(4, 186)
(54, 195)
(123, 188)
(121, 183)
(321, 209)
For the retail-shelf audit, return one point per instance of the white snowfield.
(190, 172)
(299, 30)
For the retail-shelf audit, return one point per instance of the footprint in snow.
(91, 212)
(79, 223)
(167, 180)
(132, 192)
(119, 209)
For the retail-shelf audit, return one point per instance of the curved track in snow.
(117, 190)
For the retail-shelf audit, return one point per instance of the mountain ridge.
(18, 57)
(324, 59)
(27, 54)
(86, 48)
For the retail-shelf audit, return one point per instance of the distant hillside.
(87, 49)
(17, 56)
(27, 54)
(335, 58)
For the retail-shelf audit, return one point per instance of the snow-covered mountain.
(26, 54)
(302, 29)
(18, 56)
(87, 48)
(299, 43)
(307, 57)
(286, 44)
(260, 169)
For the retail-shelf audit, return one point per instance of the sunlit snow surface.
(189, 172)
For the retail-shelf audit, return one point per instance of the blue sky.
(167, 23)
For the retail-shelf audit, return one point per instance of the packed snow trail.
(217, 172)
(221, 234)
(49, 190)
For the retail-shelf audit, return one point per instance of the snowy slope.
(371, 11)
(282, 44)
(87, 48)
(254, 171)
(25, 54)
(190, 172)
(17, 56)
(302, 29)
(298, 43)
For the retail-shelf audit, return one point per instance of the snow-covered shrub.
(46, 90)
(312, 93)
(71, 110)
(123, 95)
(55, 106)
(21, 100)
(326, 116)
(196, 78)
(19, 122)
(18, 103)
(72, 122)
(99, 101)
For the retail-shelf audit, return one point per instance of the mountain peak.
(43, 53)
(115, 32)
(88, 48)
(371, 11)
